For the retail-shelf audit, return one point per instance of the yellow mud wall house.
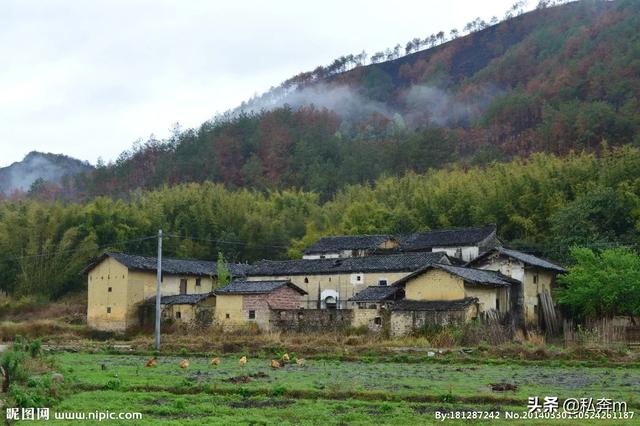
(329, 283)
(536, 276)
(119, 284)
(437, 294)
(243, 302)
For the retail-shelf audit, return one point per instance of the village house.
(350, 246)
(119, 284)
(464, 244)
(535, 276)
(329, 283)
(245, 302)
(184, 308)
(438, 294)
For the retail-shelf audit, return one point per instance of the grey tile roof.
(256, 287)
(377, 263)
(375, 293)
(446, 238)
(347, 242)
(183, 299)
(428, 305)
(170, 266)
(411, 242)
(531, 259)
(471, 275)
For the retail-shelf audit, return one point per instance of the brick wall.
(282, 298)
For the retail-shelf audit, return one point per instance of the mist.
(418, 105)
(21, 175)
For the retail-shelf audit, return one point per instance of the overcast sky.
(87, 78)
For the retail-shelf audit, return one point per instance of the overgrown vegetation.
(545, 203)
(27, 379)
(602, 284)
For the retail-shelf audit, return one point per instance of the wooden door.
(183, 286)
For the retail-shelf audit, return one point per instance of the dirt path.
(3, 347)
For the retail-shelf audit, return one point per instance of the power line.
(53, 253)
(239, 243)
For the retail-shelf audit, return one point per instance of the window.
(227, 316)
(383, 281)
(252, 315)
(110, 289)
(178, 315)
(377, 320)
(183, 286)
(108, 309)
(198, 282)
(306, 280)
(535, 278)
(358, 278)
(497, 304)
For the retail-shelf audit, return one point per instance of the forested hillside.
(547, 204)
(531, 123)
(557, 79)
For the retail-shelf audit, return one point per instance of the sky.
(89, 78)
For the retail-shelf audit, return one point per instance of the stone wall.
(403, 323)
(303, 320)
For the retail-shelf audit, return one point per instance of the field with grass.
(400, 389)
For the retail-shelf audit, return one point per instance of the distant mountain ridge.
(556, 79)
(48, 167)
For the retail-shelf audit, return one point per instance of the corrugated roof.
(347, 242)
(169, 265)
(375, 293)
(256, 287)
(471, 275)
(429, 305)
(395, 262)
(446, 238)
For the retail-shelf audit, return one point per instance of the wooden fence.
(601, 331)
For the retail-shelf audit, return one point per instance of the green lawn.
(324, 392)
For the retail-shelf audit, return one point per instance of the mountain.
(39, 167)
(556, 79)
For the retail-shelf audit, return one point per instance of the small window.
(358, 277)
(535, 309)
(227, 316)
(108, 277)
(329, 279)
(497, 304)
(306, 280)
(108, 309)
(322, 256)
(110, 289)
(383, 282)
(377, 320)
(178, 315)
(535, 279)
(252, 315)
(198, 282)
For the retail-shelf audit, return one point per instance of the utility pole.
(159, 281)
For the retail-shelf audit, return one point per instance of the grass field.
(327, 391)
